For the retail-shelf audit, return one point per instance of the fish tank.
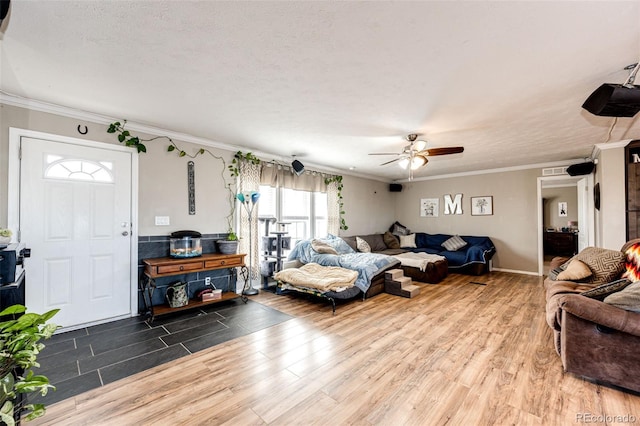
(184, 244)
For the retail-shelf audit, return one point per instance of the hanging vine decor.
(124, 136)
(338, 181)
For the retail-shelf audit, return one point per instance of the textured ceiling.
(331, 82)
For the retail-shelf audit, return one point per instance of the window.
(73, 169)
(305, 213)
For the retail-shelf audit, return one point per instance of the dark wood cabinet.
(560, 243)
(632, 160)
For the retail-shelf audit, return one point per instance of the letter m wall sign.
(453, 206)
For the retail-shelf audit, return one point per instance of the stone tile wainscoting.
(158, 246)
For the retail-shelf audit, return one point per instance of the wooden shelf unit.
(161, 267)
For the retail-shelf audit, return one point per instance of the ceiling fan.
(414, 155)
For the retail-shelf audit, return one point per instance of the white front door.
(75, 215)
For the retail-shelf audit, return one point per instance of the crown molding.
(60, 110)
(498, 170)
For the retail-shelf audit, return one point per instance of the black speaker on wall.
(395, 187)
(581, 168)
(298, 167)
(4, 9)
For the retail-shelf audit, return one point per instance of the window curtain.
(277, 175)
(248, 181)
(280, 176)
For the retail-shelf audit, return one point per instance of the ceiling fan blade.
(384, 153)
(390, 161)
(442, 151)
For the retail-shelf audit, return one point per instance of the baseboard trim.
(514, 271)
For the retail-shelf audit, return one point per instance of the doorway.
(579, 214)
(74, 207)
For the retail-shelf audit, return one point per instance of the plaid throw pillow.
(602, 291)
(454, 243)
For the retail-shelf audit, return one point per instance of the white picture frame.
(562, 209)
(429, 207)
(482, 206)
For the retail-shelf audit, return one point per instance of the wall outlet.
(207, 281)
(162, 221)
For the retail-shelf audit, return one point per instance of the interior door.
(583, 214)
(75, 215)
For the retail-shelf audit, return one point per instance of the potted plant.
(230, 245)
(20, 335)
(5, 236)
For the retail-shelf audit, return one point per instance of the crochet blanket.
(323, 278)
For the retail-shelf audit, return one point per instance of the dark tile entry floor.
(84, 359)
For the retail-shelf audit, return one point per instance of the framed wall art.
(562, 209)
(429, 207)
(482, 206)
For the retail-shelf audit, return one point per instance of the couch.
(594, 337)
(471, 259)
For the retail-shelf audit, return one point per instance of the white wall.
(512, 227)
(370, 207)
(611, 220)
(553, 196)
(163, 175)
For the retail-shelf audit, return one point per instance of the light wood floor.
(457, 354)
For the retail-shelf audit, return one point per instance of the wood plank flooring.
(457, 354)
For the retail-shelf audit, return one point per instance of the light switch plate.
(162, 221)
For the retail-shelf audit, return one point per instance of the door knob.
(125, 233)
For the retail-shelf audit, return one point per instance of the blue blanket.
(366, 264)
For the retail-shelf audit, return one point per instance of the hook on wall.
(86, 130)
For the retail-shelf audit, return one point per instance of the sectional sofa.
(473, 258)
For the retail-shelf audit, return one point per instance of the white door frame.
(13, 193)
(590, 211)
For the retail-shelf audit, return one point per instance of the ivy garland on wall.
(338, 181)
(125, 137)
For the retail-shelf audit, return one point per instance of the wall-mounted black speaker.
(297, 167)
(4, 9)
(614, 100)
(395, 187)
(581, 169)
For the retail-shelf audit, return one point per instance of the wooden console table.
(160, 267)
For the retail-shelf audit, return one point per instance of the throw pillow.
(399, 229)
(604, 290)
(322, 247)
(627, 299)
(390, 240)
(606, 265)
(362, 245)
(408, 241)
(576, 271)
(553, 274)
(454, 243)
(375, 241)
(632, 263)
(340, 245)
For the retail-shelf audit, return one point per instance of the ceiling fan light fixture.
(420, 145)
(418, 161)
(404, 163)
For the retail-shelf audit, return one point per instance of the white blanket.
(323, 278)
(417, 260)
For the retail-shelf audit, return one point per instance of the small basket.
(214, 295)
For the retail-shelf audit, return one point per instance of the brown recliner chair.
(594, 339)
